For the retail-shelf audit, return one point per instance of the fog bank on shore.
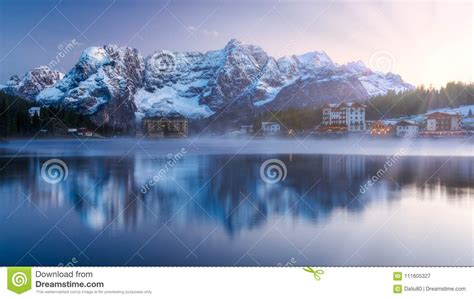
(354, 145)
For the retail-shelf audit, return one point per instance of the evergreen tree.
(3, 118)
(36, 123)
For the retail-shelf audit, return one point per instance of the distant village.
(349, 118)
(337, 119)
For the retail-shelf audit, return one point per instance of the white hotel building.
(349, 116)
(406, 128)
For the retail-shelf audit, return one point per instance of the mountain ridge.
(117, 86)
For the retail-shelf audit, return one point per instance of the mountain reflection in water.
(221, 208)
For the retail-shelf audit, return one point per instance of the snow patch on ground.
(463, 110)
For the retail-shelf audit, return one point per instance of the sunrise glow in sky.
(426, 42)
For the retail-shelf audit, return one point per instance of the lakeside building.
(369, 124)
(72, 131)
(332, 129)
(407, 128)
(34, 110)
(174, 125)
(443, 124)
(246, 129)
(380, 128)
(343, 117)
(85, 132)
(270, 128)
(442, 121)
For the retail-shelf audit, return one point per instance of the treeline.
(15, 119)
(419, 101)
(296, 119)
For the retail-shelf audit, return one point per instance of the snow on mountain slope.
(90, 61)
(379, 84)
(376, 83)
(315, 60)
(102, 84)
(32, 83)
(177, 83)
(95, 56)
(168, 101)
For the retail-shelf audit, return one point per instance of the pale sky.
(426, 42)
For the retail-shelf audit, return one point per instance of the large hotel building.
(346, 116)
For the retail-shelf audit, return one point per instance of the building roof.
(382, 123)
(344, 104)
(171, 116)
(441, 114)
(355, 104)
(269, 123)
(406, 123)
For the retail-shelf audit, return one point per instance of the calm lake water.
(125, 203)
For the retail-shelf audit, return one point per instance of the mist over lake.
(352, 145)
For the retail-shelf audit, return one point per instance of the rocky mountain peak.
(315, 59)
(32, 82)
(233, 43)
(358, 67)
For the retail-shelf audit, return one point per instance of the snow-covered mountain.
(117, 86)
(32, 83)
